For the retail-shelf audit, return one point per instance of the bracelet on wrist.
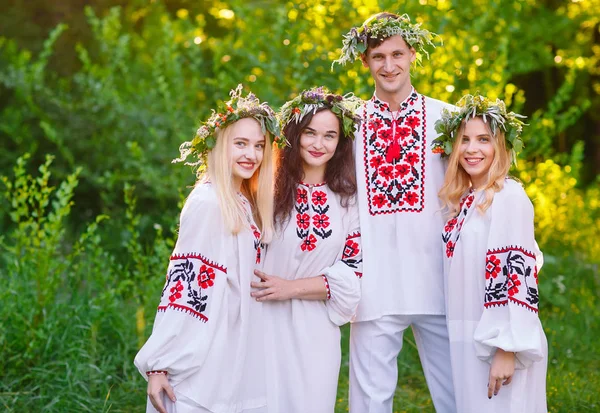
(155, 372)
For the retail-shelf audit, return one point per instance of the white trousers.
(374, 349)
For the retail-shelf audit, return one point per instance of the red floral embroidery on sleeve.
(189, 280)
(511, 277)
(352, 254)
(206, 277)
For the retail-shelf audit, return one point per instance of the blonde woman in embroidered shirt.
(310, 283)
(201, 356)
(497, 344)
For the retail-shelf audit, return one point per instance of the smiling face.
(318, 142)
(389, 64)
(476, 151)
(246, 149)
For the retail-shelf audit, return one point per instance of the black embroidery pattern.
(394, 156)
(189, 278)
(511, 276)
(308, 226)
(452, 228)
(352, 255)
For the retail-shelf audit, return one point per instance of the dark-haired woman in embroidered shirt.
(201, 356)
(310, 284)
(491, 266)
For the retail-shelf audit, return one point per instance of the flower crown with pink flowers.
(309, 101)
(236, 108)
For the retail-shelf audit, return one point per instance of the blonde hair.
(258, 189)
(457, 181)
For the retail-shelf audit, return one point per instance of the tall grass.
(68, 326)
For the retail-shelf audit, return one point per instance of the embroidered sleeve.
(510, 315)
(192, 298)
(344, 275)
(352, 255)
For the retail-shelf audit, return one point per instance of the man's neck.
(394, 99)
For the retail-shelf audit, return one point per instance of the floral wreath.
(355, 41)
(470, 106)
(236, 108)
(309, 101)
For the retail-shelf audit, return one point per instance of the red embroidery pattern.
(258, 246)
(352, 255)
(189, 278)
(511, 276)
(306, 226)
(394, 156)
(326, 286)
(451, 232)
(156, 372)
(309, 243)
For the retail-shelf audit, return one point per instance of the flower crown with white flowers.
(470, 106)
(236, 108)
(309, 101)
(355, 41)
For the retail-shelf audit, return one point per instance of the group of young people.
(410, 191)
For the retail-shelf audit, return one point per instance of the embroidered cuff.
(326, 286)
(155, 372)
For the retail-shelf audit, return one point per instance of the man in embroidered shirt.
(398, 181)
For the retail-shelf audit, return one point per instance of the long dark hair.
(339, 173)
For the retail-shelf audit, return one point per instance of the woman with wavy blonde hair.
(199, 357)
(491, 264)
(457, 181)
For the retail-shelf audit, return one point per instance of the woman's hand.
(156, 384)
(501, 371)
(272, 288)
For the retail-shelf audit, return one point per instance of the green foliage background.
(95, 101)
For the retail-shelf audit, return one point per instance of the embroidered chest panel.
(394, 156)
(312, 216)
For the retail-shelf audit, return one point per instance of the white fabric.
(374, 348)
(402, 259)
(207, 326)
(487, 310)
(302, 343)
(185, 405)
(398, 181)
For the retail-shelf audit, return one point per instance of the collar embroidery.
(453, 226)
